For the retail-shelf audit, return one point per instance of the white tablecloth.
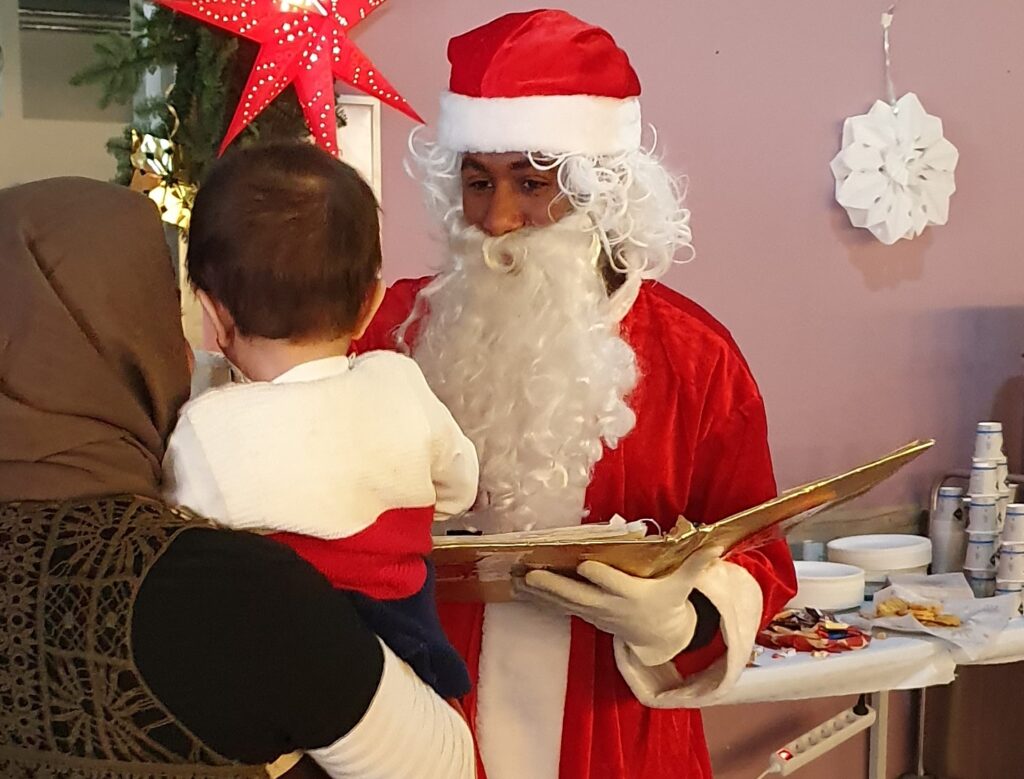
(1009, 648)
(900, 662)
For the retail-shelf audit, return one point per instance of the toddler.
(348, 461)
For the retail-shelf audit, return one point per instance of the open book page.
(481, 568)
(617, 528)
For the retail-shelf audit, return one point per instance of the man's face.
(503, 192)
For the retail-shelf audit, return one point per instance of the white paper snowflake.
(894, 174)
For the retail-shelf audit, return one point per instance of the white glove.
(654, 617)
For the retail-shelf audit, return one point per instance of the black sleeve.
(708, 620)
(251, 648)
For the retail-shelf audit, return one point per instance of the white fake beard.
(522, 347)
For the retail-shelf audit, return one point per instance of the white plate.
(883, 552)
(827, 586)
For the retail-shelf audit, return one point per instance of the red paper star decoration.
(302, 42)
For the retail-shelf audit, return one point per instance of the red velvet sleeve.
(733, 471)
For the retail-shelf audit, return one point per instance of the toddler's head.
(284, 253)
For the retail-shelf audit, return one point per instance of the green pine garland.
(210, 69)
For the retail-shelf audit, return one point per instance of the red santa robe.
(699, 449)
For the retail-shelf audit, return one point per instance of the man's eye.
(535, 185)
(478, 185)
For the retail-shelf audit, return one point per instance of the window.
(56, 41)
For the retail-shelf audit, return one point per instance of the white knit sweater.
(323, 450)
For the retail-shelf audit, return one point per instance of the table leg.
(878, 739)
(919, 717)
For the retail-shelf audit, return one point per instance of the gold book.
(481, 568)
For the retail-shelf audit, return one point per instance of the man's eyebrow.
(471, 163)
(519, 165)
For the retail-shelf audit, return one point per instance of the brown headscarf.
(93, 362)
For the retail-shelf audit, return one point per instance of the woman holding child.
(138, 641)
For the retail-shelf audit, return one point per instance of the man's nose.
(504, 215)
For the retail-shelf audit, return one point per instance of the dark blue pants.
(412, 629)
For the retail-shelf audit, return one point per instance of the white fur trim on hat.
(738, 598)
(557, 124)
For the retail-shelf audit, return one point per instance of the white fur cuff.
(738, 598)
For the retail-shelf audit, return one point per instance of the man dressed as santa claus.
(590, 390)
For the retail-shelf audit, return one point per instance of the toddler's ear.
(220, 320)
(373, 300)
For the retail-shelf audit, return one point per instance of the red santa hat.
(540, 81)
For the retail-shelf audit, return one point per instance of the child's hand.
(304, 768)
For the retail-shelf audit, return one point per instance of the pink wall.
(858, 347)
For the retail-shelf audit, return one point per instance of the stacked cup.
(988, 499)
(1006, 491)
(947, 530)
(983, 535)
(988, 441)
(1010, 565)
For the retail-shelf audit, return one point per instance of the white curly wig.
(634, 203)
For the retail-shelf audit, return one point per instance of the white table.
(899, 662)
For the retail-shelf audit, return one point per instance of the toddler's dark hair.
(287, 238)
